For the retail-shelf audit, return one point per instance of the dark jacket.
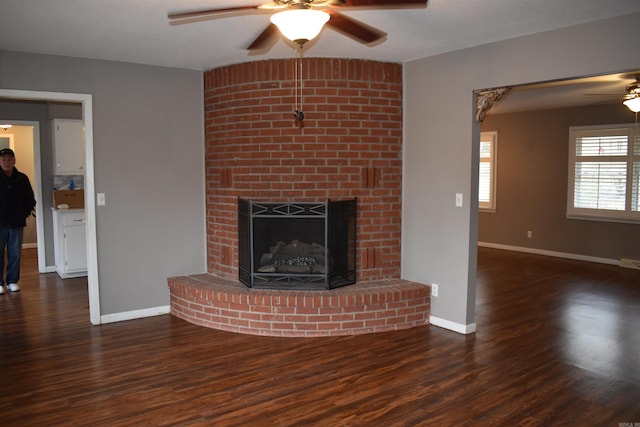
(16, 199)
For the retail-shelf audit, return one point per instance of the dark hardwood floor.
(558, 343)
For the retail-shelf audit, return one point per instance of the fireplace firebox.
(307, 246)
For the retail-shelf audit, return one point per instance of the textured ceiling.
(580, 92)
(138, 31)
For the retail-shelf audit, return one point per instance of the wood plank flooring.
(558, 343)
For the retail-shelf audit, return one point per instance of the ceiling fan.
(302, 20)
(631, 97)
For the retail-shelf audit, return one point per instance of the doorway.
(87, 115)
(532, 122)
(24, 139)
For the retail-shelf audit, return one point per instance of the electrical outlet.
(529, 234)
(434, 290)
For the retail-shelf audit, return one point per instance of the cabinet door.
(75, 248)
(68, 147)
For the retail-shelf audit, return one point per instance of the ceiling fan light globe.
(633, 104)
(300, 24)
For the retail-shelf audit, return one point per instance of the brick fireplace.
(349, 146)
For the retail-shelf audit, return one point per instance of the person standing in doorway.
(16, 204)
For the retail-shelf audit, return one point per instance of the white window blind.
(604, 173)
(487, 173)
(635, 176)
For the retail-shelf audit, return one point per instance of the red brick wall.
(349, 145)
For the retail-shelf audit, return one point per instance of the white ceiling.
(579, 92)
(138, 30)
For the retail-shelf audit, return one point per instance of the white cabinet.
(68, 147)
(70, 242)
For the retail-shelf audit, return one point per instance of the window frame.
(492, 138)
(628, 215)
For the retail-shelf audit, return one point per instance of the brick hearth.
(362, 308)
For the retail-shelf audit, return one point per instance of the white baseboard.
(630, 263)
(135, 314)
(452, 326)
(550, 253)
(29, 245)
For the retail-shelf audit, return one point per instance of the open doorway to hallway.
(46, 181)
(23, 138)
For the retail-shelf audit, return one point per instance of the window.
(604, 173)
(487, 176)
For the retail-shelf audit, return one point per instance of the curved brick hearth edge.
(377, 306)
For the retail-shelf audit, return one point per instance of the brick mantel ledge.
(376, 306)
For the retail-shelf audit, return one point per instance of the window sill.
(486, 210)
(603, 219)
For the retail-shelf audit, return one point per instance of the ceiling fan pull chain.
(295, 90)
(297, 71)
(301, 76)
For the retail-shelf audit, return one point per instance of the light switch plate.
(100, 200)
(458, 200)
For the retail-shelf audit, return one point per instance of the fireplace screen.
(297, 245)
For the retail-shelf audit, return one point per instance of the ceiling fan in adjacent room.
(631, 97)
(302, 20)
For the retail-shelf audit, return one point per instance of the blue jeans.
(11, 238)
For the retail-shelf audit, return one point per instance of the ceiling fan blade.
(606, 101)
(266, 39)
(357, 30)
(604, 94)
(380, 4)
(201, 15)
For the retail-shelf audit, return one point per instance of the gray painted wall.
(531, 198)
(441, 142)
(148, 160)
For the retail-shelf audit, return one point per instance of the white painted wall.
(441, 138)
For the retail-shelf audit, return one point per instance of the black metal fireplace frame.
(336, 215)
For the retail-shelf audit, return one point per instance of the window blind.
(487, 171)
(604, 177)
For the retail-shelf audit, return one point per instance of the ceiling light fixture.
(633, 104)
(5, 127)
(632, 98)
(300, 25)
